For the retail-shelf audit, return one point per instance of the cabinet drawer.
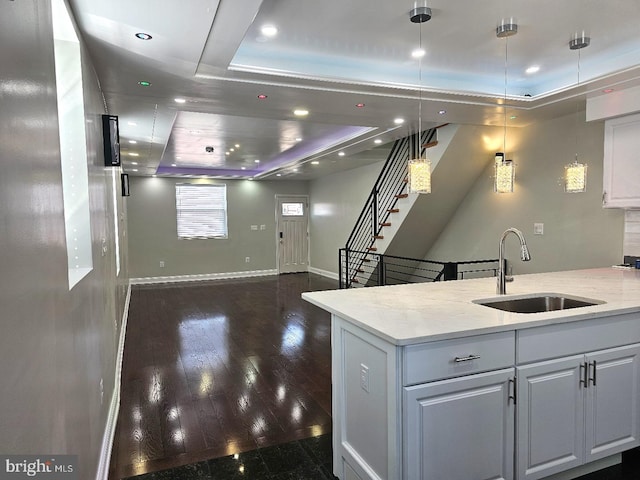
(554, 341)
(461, 356)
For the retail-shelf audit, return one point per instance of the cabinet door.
(613, 401)
(621, 166)
(461, 428)
(550, 417)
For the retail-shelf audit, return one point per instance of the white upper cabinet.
(621, 183)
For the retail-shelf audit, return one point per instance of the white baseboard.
(324, 273)
(205, 276)
(114, 406)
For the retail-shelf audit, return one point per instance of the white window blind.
(201, 210)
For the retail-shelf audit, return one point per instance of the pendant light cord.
(506, 61)
(420, 97)
(577, 109)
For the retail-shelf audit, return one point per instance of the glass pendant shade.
(504, 174)
(575, 177)
(420, 175)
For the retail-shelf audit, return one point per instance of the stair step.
(430, 144)
(359, 270)
(372, 249)
(354, 280)
(393, 210)
(406, 180)
(378, 237)
(385, 224)
(402, 195)
(366, 260)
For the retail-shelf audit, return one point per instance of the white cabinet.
(550, 417)
(460, 428)
(621, 162)
(445, 410)
(576, 410)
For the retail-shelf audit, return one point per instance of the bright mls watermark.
(51, 467)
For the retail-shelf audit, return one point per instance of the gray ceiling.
(327, 58)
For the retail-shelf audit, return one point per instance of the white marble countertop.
(415, 313)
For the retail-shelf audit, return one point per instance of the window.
(292, 209)
(73, 148)
(116, 216)
(201, 211)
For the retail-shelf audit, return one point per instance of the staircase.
(398, 227)
(381, 209)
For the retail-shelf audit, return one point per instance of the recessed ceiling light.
(180, 100)
(133, 124)
(360, 105)
(262, 96)
(532, 69)
(300, 112)
(398, 121)
(134, 169)
(608, 90)
(133, 141)
(298, 139)
(278, 174)
(134, 163)
(243, 168)
(178, 158)
(154, 176)
(250, 179)
(441, 112)
(295, 169)
(315, 162)
(237, 145)
(377, 140)
(143, 36)
(418, 53)
(173, 165)
(269, 30)
(133, 154)
(232, 149)
(341, 154)
(144, 83)
(227, 153)
(256, 161)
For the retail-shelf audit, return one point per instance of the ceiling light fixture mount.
(579, 41)
(420, 14)
(143, 36)
(506, 29)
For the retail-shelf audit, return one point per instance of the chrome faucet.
(524, 256)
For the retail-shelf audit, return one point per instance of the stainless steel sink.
(538, 303)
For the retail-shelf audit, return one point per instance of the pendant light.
(575, 173)
(419, 177)
(504, 170)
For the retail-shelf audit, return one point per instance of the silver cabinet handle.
(593, 378)
(468, 358)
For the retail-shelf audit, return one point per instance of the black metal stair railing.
(380, 269)
(388, 188)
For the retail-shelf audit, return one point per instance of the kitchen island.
(430, 384)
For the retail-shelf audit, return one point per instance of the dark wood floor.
(216, 368)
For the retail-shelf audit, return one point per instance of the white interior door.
(292, 218)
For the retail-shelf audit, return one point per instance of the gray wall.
(336, 202)
(56, 345)
(578, 232)
(153, 238)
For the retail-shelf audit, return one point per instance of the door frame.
(304, 198)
